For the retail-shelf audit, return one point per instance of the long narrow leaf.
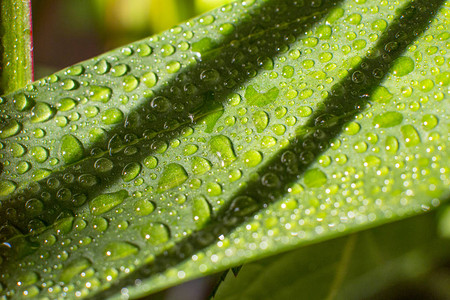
(259, 127)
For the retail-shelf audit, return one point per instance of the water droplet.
(324, 32)
(118, 250)
(252, 158)
(213, 189)
(402, 66)
(352, 128)
(22, 102)
(391, 145)
(40, 174)
(69, 84)
(242, 206)
(287, 72)
(17, 150)
(112, 116)
(7, 187)
(144, 207)
(65, 104)
(75, 70)
(201, 211)
(23, 167)
(410, 135)
(203, 46)
(173, 67)
(106, 202)
(101, 67)
(268, 141)
(429, 121)
(387, 119)
(149, 79)
(200, 165)
(41, 112)
(443, 79)
(119, 70)
(129, 83)
(71, 149)
(381, 95)
(99, 93)
(256, 98)
(40, 154)
(222, 147)
(155, 233)
(160, 104)
(172, 176)
(315, 178)
(74, 268)
(150, 162)
(167, 50)
(379, 24)
(144, 50)
(226, 28)
(260, 119)
(130, 171)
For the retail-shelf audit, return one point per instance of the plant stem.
(16, 65)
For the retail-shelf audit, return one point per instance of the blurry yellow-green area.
(66, 32)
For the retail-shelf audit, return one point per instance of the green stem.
(16, 65)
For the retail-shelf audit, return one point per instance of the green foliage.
(251, 130)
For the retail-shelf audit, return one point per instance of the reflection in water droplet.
(130, 171)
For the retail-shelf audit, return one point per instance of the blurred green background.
(67, 32)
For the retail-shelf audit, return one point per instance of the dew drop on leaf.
(74, 268)
(222, 147)
(106, 202)
(118, 250)
(155, 233)
(172, 176)
(200, 165)
(130, 171)
(201, 211)
(315, 178)
(100, 93)
(71, 149)
(410, 135)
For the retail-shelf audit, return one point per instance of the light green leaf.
(352, 267)
(16, 55)
(178, 193)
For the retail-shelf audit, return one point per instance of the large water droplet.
(387, 119)
(22, 102)
(118, 250)
(172, 176)
(74, 268)
(149, 79)
(410, 135)
(144, 207)
(260, 119)
(130, 171)
(155, 233)
(201, 211)
(252, 158)
(112, 116)
(7, 187)
(402, 66)
(242, 206)
(40, 154)
(200, 165)
(71, 149)
(106, 202)
(41, 112)
(315, 178)
(130, 83)
(222, 147)
(11, 129)
(99, 93)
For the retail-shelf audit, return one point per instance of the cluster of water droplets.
(113, 161)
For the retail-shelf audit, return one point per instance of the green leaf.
(188, 178)
(16, 67)
(352, 267)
